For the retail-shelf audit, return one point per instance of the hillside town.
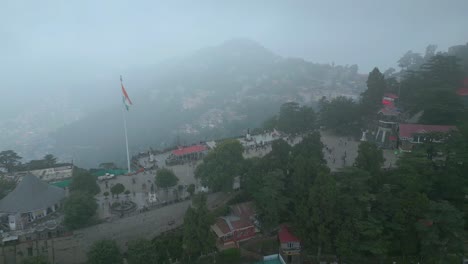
(33, 210)
(241, 132)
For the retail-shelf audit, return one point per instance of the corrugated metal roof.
(31, 194)
(286, 236)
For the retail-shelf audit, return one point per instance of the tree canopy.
(371, 98)
(364, 214)
(165, 178)
(191, 189)
(198, 237)
(370, 157)
(141, 251)
(292, 119)
(221, 165)
(269, 200)
(6, 186)
(117, 189)
(9, 160)
(431, 88)
(104, 252)
(83, 181)
(341, 115)
(79, 210)
(48, 161)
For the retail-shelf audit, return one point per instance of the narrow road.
(144, 225)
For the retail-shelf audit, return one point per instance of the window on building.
(30, 251)
(290, 245)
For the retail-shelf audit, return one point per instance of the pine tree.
(372, 97)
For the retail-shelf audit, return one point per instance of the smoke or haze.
(72, 52)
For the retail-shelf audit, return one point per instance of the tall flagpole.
(125, 128)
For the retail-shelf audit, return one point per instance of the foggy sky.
(49, 45)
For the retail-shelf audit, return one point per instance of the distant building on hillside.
(251, 141)
(31, 200)
(410, 135)
(238, 226)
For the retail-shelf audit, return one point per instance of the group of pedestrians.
(337, 156)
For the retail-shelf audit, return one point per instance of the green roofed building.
(62, 184)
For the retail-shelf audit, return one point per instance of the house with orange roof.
(236, 227)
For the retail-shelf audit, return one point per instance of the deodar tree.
(9, 160)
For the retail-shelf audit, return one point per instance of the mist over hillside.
(215, 92)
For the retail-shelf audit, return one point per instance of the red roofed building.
(463, 91)
(236, 227)
(411, 134)
(387, 120)
(184, 154)
(290, 245)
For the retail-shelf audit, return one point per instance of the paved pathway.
(342, 151)
(338, 151)
(147, 224)
(142, 225)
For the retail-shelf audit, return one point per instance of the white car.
(106, 177)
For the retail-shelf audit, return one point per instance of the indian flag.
(126, 100)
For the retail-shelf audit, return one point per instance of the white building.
(54, 174)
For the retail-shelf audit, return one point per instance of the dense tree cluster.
(79, 210)
(10, 161)
(431, 88)
(164, 249)
(165, 178)
(292, 119)
(6, 186)
(340, 115)
(426, 84)
(83, 181)
(279, 181)
(364, 214)
(198, 237)
(221, 166)
(80, 206)
(105, 252)
(141, 251)
(48, 161)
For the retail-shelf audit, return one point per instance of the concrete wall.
(62, 250)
